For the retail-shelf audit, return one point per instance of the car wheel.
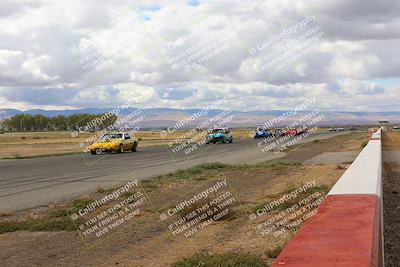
(230, 141)
(93, 152)
(134, 147)
(120, 149)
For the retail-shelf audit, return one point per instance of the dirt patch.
(391, 200)
(391, 140)
(391, 213)
(334, 157)
(343, 143)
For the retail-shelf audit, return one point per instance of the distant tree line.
(81, 122)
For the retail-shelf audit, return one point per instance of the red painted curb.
(345, 232)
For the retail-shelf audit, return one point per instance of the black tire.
(134, 147)
(230, 141)
(93, 152)
(120, 148)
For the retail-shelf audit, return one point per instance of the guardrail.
(347, 229)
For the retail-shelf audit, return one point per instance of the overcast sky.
(184, 54)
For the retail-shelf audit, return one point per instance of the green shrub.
(60, 224)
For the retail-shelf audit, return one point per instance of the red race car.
(293, 132)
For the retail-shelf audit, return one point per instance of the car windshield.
(218, 131)
(106, 137)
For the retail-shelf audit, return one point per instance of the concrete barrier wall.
(347, 229)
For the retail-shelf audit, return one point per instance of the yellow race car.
(115, 142)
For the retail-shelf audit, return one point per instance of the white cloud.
(98, 53)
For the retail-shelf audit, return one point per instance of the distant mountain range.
(164, 117)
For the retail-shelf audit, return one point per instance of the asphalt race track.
(27, 183)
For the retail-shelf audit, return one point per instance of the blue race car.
(263, 133)
(220, 135)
